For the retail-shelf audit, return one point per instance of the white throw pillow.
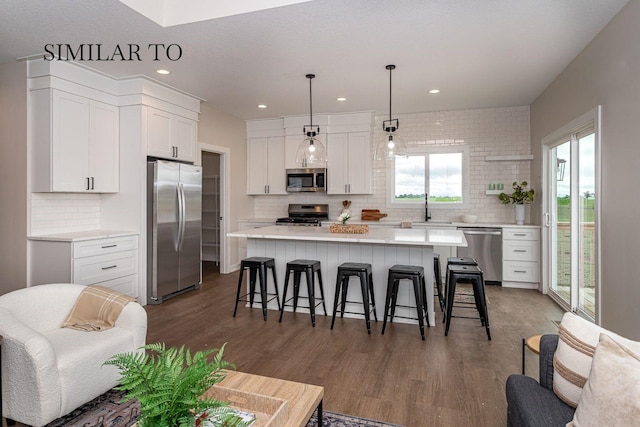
(611, 396)
(572, 360)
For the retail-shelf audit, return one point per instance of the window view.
(437, 174)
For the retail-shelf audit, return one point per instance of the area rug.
(108, 411)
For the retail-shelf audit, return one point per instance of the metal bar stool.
(437, 275)
(362, 271)
(257, 267)
(308, 267)
(416, 275)
(474, 275)
(458, 261)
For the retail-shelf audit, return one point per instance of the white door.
(276, 174)
(359, 161)
(159, 134)
(257, 152)
(104, 147)
(70, 142)
(571, 220)
(337, 163)
(185, 138)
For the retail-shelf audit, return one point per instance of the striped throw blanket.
(96, 309)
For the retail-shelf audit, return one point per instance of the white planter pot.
(520, 214)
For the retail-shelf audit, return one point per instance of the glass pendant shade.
(311, 152)
(390, 146)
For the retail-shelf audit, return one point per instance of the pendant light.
(391, 145)
(311, 151)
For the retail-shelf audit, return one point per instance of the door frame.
(592, 116)
(225, 191)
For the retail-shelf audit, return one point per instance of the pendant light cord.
(310, 77)
(390, 67)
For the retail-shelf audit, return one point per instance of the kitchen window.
(440, 172)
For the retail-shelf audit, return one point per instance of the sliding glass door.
(571, 219)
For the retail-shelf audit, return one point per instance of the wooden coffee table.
(303, 399)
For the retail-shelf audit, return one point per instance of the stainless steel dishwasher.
(485, 245)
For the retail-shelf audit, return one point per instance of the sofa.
(589, 377)
(533, 403)
(48, 371)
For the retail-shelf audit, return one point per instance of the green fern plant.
(520, 195)
(169, 384)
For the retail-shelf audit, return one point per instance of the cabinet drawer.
(126, 285)
(520, 234)
(104, 246)
(96, 269)
(515, 271)
(520, 250)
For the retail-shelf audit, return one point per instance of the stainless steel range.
(303, 214)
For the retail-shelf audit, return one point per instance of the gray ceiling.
(479, 53)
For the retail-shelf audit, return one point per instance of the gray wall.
(13, 174)
(607, 72)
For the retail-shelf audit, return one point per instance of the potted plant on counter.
(169, 383)
(520, 196)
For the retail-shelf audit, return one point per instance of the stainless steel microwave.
(306, 180)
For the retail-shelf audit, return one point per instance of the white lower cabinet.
(521, 257)
(111, 262)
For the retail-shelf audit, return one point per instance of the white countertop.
(78, 236)
(388, 236)
(386, 222)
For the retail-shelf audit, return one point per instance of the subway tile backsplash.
(487, 132)
(64, 212)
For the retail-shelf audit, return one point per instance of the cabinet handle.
(93, 183)
(88, 183)
(519, 234)
(109, 246)
(519, 271)
(519, 250)
(110, 267)
(176, 151)
(345, 188)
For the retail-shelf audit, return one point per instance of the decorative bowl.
(468, 218)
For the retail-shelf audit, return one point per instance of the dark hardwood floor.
(444, 381)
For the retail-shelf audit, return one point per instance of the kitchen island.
(380, 247)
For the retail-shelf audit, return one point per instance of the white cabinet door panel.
(337, 163)
(359, 152)
(70, 144)
(92, 270)
(257, 150)
(276, 174)
(185, 139)
(104, 148)
(159, 134)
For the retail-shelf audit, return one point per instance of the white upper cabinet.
(265, 166)
(75, 143)
(170, 136)
(349, 163)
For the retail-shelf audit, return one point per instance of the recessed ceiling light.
(262, 106)
(434, 91)
(341, 99)
(163, 71)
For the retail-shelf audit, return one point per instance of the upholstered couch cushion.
(572, 361)
(611, 395)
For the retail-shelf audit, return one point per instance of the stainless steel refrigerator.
(174, 232)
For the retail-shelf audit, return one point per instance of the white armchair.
(48, 371)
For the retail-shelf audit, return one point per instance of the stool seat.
(308, 267)
(364, 272)
(462, 260)
(416, 275)
(355, 266)
(474, 275)
(257, 270)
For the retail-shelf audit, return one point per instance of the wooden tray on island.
(349, 228)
